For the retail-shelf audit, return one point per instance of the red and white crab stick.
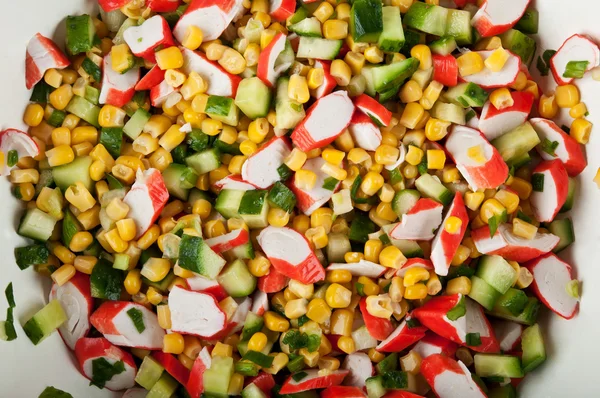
(563, 146)
(89, 349)
(361, 268)
(445, 70)
(433, 344)
(365, 133)
(282, 9)
(319, 128)
(273, 282)
(19, 141)
(412, 263)
(478, 161)
(160, 93)
(496, 16)
(508, 334)
(198, 283)
(261, 168)
(42, 54)
(212, 16)
(577, 48)
(550, 189)
(309, 200)
(420, 221)
(195, 384)
(370, 107)
(151, 79)
(172, 366)
(76, 300)
(163, 5)
(146, 199)
(361, 368)
(143, 40)
(342, 392)
(493, 122)
(218, 80)
(195, 313)
(135, 393)
(233, 182)
(260, 303)
(445, 244)
(117, 88)
(449, 378)
(329, 82)
(489, 79)
(401, 338)
(551, 277)
(379, 328)
(228, 241)
(290, 254)
(113, 320)
(510, 246)
(236, 322)
(266, 70)
(312, 380)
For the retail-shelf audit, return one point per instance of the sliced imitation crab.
(312, 380)
(42, 54)
(117, 88)
(445, 244)
(449, 378)
(195, 313)
(365, 133)
(556, 144)
(577, 48)
(420, 222)
(143, 40)
(361, 368)
(550, 189)
(432, 344)
(309, 200)
(496, 16)
(218, 80)
(262, 168)
(494, 122)
(268, 68)
(18, 141)
(146, 199)
(489, 79)
(211, 16)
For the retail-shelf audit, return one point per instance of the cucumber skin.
(520, 44)
(564, 230)
(483, 293)
(44, 322)
(76, 171)
(532, 336)
(366, 20)
(391, 20)
(418, 16)
(237, 280)
(507, 366)
(253, 98)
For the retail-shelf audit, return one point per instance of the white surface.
(573, 349)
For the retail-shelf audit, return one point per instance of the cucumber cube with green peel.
(520, 44)
(366, 20)
(81, 32)
(253, 98)
(44, 322)
(427, 18)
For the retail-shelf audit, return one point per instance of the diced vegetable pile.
(259, 198)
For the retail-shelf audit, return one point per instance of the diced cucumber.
(37, 225)
(492, 365)
(506, 391)
(217, 378)
(513, 301)
(70, 226)
(84, 109)
(483, 293)
(173, 16)
(443, 46)
(317, 48)
(223, 147)
(105, 281)
(92, 69)
(112, 139)
(388, 364)
(252, 391)
(405, 200)
(46, 180)
(71, 173)
(310, 27)
(449, 113)
(427, 18)
(56, 118)
(466, 95)
(388, 94)
(338, 246)
(288, 112)
(81, 32)
(394, 75)
(497, 272)
(570, 195)
(35, 254)
(564, 230)
(196, 194)
(162, 285)
(520, 44)
(254, 208)
(529, 22)
(195, 255)
(534, 350)
(222, 109)
(236, 279)
(409, 248)
(375, 387)
(228, 202)
(515, 143)
(252, 324)
(411, 39)
(361, 227)
(165, 387)
(391, 38)
(366, 20)
(519, 161)
(134, 126)
(282, 197)
(432, 188)
(92, 94)
(197, 140)
(205, 161)
(122, 261)
(44, 322)
(149, 372)
(299, 15)
(40, 92)
(179, 179)
(527, 317)
(458, 25)
(253, 98)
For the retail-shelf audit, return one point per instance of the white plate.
(573, 349)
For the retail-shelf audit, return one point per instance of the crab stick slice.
(308, 200)
(267, 70)
(342, 392)
(488, 79)
(42, 54)
(111, 5)
(228, 241)
(119, 323)
(236, 322)
(153, 78)
(233, 182)
(260, 303)
(261, 169)
(556, 144)
(143, 40)
(365, 133)
(478, 161)
(496, 16)
(198, 283)
(212, 16)
(379, 328)
(508, 334)
(361, 368)
(361, 268)
(433, 344)
(420, 221)
(117, 89)
(172, 366)
(87, 350)
(329, 82)
(576, 48)
(550, 189)
(513, 248)
(273, 282)
(163, 5)
(494, 123)
(370, 107)
(312, 380)
(402, 337)
(160, 92)
(282, 9)
(76, 300)
(195, 384)
(319, 128)
(445, 244)
(219, 81)
(195, 313)
(551, 276)
(19, 141)
(290, 254)
(412, 263)
(135, 393)
(445, 70)
(449, 378)
(146, 199)
(401, 157)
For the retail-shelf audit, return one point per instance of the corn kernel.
(460, 285)
(501, 98)
(423, 54)
(567, 96)
(581, 130)
(496, 61)
(470, 63)
(169, 58)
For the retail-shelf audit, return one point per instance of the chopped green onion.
(537, 182)
(576, 69)
(262, 360)
(330, 183)
(458, 311)
(573, 288)
(473, 339)
(51, 392)
(299, 376)
(395, 379)
(549, 147)
(103, 371)
(137, 318)
(10, 297)
(12, 158)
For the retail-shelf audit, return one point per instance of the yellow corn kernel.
(97, 170)
(276, 322)
(521, 83)
(295, 308)
(127, 229)
(370, 288)
(548, 107)
(416, 292)
(372, 183)
(578, 111)
(310, 358)
(257, 342)
(60, 98)
(524, 229)
(113, 239)
(164, 316)
(339, 276)
(193, 37)
(415, 275)
(53, 78)
(301, 223)
(111, 116)
(385, 211)
(278, 217)
(340, 71)
(248, 147)
(434, 286)
(172, 138)
(305, 179)
(318, 237)
(436, 129)
(373, 55)
(386, 154)
(169, 58)
(461, 255)
(154, 296)
(85, 264)
(266, 36)
(173, 343)
(155, 269)
(117, 209)
(18, 176)
(581, 130)
(318, 310)
(411, 92)
(27, 191)
(375, 356)
(567, 96)
(259, 265)
(431, 95)
(323, 12)
(414, 155)
(356, 61)
(341, 322)
(145, 144)
(333, 156)
(474, 199)
(80, 241)
(358, 155)
(192, 345)
(423, 54)
(202, 207)
(174, 78)
(80, 197)
(436, 159)
(338, 296)
(522, 187)
(497, 60)
(476, 154)
(460, 285)
(232, 61)
(490, 208)
(412, 115)
(63, 254)
(391, 257)
(123, 173)
(470, 63)
(524, 278)
(353, 257)
(509, 199)
(373, 249)
(322, 217)
(149, 237)
(315, 78)
(34, 114)
(334, 171)
(298, 89)
(251, 54)
(60, 155)
(379, 306)
(501, 98)
(335, 29)
(295, 159)
(63, 274)
(346, 344)
(258, 130)
(313, 153)
(101, 153)
(411, 362)
(329, 363)
(236, 164)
